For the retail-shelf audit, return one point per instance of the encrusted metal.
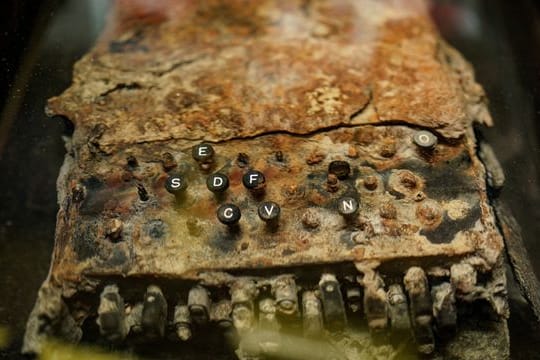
(354, 118)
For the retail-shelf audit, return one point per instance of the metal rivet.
(242, 160)
(425, 139)
(168, 161)
(371, 182)
(113, 229)
(332, 183)
(311, 219)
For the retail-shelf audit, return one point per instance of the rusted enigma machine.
(268, 174)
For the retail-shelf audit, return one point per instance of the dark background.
(40, 41)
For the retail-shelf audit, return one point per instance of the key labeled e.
(203, 152)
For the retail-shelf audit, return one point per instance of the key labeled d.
(217, 183)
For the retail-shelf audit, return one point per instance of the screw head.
(175, 184)
(425, 139)
(229, 214)
(203, 153)
(217, 183)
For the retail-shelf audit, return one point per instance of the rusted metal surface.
(219, 71)
(421, 207)
(325, 100)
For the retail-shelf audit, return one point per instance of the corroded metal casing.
(325, 100)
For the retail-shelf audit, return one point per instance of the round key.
(425, 139)
(269, 211)
(253, 179)
(340, 168)
(228, 214)
(217, 183)
(175, 184)
(203, 153)
(347, 206)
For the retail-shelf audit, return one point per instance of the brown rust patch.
(430, 214)
(315, 158)
(200, 75)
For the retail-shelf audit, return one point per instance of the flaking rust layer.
(285, 88)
